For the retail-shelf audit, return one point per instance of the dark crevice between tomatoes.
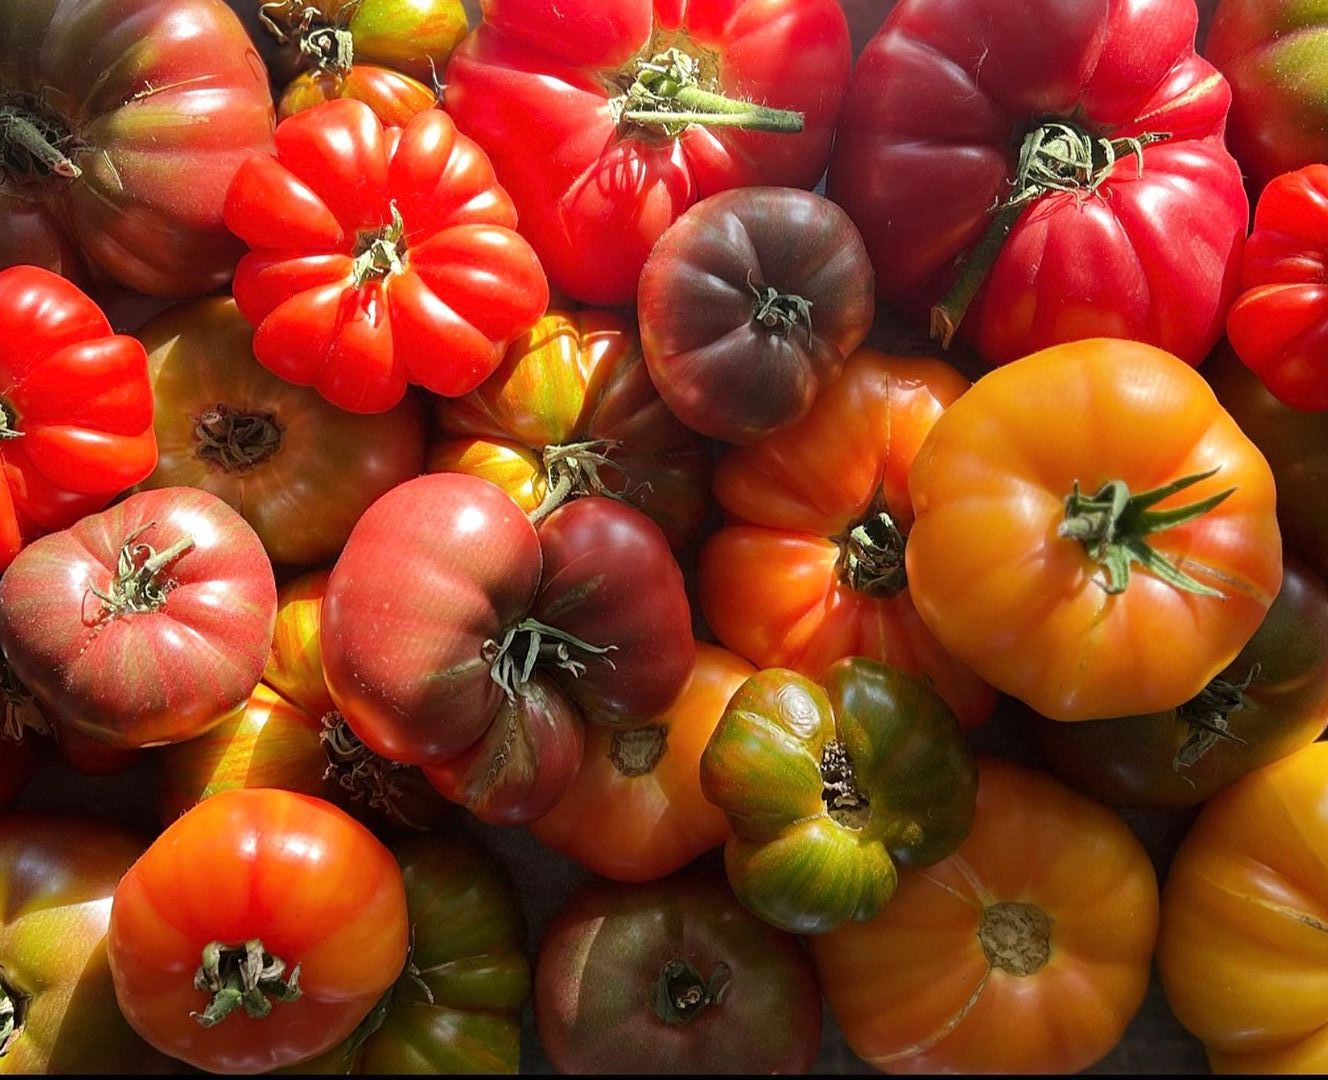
(36, 144)
(844, 803)
(575, 469)
(13, 1013)
(140, 584)
(682, 994)
(410, 985)
(326, 44)
(871, 556)
(1207, 716)
(364, 777)
(531, 644)
(236, 441)
(243, 977)
(1015, 937)
(637, 752)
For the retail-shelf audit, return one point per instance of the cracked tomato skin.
(428, 311)
(534, 83)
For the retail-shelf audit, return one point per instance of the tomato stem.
(1015, 937)
(378, 254)
(8, 422)
(871, 557)
(328, 45)
(638, 751)
(13, 1014)
(779, 312)
(364, 776)
(530, 643)
(681, 994)
(137, 587)
(573, 469)
(237, 441)
(30, 147)
(242, 976)
(1208, 716)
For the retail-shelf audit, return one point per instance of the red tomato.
(598, 116)
(18, 761)
(375, 253)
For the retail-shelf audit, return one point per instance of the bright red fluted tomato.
(1026, 170)
(633, 111)
(145, 624)
(121, 125)
(375, 256)
(75, 407)
(257, 932)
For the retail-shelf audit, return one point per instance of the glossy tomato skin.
(78, 394)
(535, 82)
(635, 811)
(1279, 324)
(373, 253)
(717, 350)
(145, 211)
(929, 143)
(1026, 951)
(394, 98)
(775, 583)
(1001, 464)
(166, 672)
(603, 959)
(1274, 701)
(576, 378)
(299, 470)
(1240, 948)
(292, 871)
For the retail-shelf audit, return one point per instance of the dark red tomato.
(90, 756)
(145, 624)
(121, 125)
(18, 761)
(633, 111)
(1026, 169)
(749, 304)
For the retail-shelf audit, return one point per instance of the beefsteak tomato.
(1040, 490)
(18, 761)
(375, 256)
(1025, 171)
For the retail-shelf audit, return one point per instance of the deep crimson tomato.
(121, 125)
(75, 407)
(145, 624)
(18, 761)
(375, 253)
(1026, 169)
(612, 106)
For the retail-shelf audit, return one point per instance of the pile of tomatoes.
(691, 437)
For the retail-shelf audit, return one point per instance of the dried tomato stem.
(27, 150)
(530, 643)
(243, 976)
(1208, 715)
(137, 586)
(573, 469)
(681, 994)
(237, 441)
(330, 47)
(872, 556)
(364, 776)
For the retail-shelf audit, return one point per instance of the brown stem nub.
(13, 1014)
(681, 994)
(1015, 937)
(139, 585)
(364, 776)
(236, 441)
(1208, 715)
(328, 45)
(243, 977)
(779, 312)
(531, 643)
(572, 470)
(871, 559)
(30, 147)
(843, 801)
(636, 752)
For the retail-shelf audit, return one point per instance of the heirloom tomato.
(1025, 170)
(631, 112)
(375, 253)
(673, 978)
(571, 411)
(18, 761)
(1026, 951)
(258, 931)
(145, 624)
(810, 566)
(75, 407)
(1094, 534)
(1279, 324)
(829, 787)
(1243, 950)
(1268, 703)
(57, 1003)
(300, 471)
(121, 125)
(635, 811)
(749, 304)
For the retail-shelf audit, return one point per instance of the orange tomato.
(1243, 951)
(1037, 492)
(1027, 950)
(635, 811)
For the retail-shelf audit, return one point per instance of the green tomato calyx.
(681, 994)
(530, 643)
(328, 45)
(140, 584)
(380, 253)
(236, 441)
(574, 469)
(243, 976)
(1015, 937)
(34, 147)
(364, 777)
(871, 559)
(1208, 716)
(778, 312)
(844, 803)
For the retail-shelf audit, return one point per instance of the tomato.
(145, 624)
(1242, 948)
(673, 978)
(394, 98)
(299, 470)
(75, 408)
(1269, 702)
(829, 787)
(18, 761)
(1279, 324)
(1024, 171)
(635, 811)
(571, 411)
(749, 304)
(374, 253)
(89, 756)
(1038, 493)
(809, 568)
(635, 113)
(1026, 951)
(258, 931)
(121, 125)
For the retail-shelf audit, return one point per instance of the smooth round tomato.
(1026, 951)
(810, 565)
(258, 931)
(1094, 534)
(1242, 950)
(299, 470)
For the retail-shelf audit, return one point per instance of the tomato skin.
(293, 871)
(394, 98)
(1000, 464)
(18, 762)
(916, 990)
(1241, 950)
(773, 582)
(313, 214)
(600, 965)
